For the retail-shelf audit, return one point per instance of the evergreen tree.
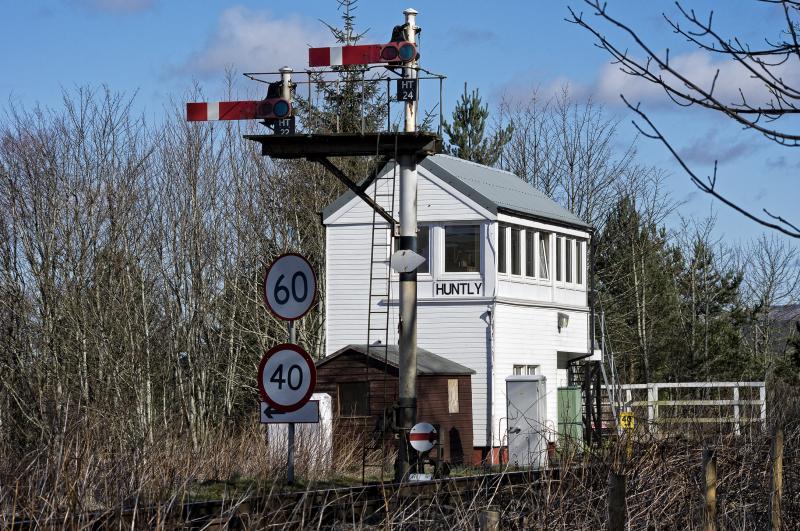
(712, 316)
(467, 134)
(350, 103)
(634, 271)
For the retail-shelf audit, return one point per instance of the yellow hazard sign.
(626, 420)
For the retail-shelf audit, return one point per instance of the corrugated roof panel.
(491, 188)
(427, 362)
(499, 188)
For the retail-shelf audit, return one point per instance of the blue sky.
(159, 48)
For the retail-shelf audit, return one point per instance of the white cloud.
(250, 40)
(700, 68)
(117, 5)
(713, 146)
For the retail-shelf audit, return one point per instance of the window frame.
(339, 399)
(525, 369)
(546, 244)
(569, 252)
(518, 261)
(530, 253)
(559, 259)
(461, 274)
(502, 248)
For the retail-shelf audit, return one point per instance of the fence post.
(652, 406)
(776, 479)
(736, 413)
(616, 501)
(762, 396)
(710, 470)
(489, 520)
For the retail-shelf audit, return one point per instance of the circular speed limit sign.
(286, 377)
(290, 286)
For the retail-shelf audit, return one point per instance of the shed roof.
(495, 190)
(428, 363)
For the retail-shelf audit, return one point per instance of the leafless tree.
(772, 280)
(766, 109)
(567, 150)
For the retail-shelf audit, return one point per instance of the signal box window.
(423, 247)
(462, 248)
(501, 249)
(559, 258)
(520, 370)
(515, 251)
(568, 246)
(353, 399)
(530, 253)
(544, 256)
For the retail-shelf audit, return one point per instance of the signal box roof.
(428, 363)
(495, 190)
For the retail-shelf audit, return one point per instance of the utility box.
(526, 412)
(570, 417)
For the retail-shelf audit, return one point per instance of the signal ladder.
(378, 313)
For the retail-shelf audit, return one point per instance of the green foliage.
(350, 103)
(672, 313)
(467, 134)
(635, 267)
(712, 315)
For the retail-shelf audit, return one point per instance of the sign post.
(422, 437)
(627, 423)
(287, 374)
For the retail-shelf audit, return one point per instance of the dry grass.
(98, 473)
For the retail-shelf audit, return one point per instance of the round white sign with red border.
(290, 286)
(286, 377)
(422, 436)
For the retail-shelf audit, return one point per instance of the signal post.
(407, 147)
(407, 344)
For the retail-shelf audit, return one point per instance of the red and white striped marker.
(422, 437)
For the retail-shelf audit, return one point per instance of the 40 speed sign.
(290, 286)
(286, 377)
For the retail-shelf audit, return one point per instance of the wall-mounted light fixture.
(563, 321)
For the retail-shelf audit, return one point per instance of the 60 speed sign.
(286, 377)
(290, 286)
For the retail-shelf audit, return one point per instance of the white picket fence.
(743, 410)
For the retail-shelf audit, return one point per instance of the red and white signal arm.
(362, 54)
(286, 377)
(422, 437)
(290, 286)
(266, 109)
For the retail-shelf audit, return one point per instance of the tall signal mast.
(408, 147)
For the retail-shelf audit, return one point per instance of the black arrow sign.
(269, 412)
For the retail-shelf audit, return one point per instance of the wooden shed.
(363, 384)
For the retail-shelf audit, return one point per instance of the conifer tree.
(351, 102)
(467, 135)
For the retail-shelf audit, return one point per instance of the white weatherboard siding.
(460, 332)
(527, 335)
(347, 289)
(436, 201)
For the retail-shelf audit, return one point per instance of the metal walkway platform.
(318, 146)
